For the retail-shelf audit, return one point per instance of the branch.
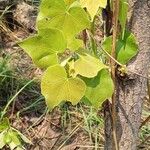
(113, 68)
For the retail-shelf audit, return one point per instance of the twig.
(140, 75)
(145, 121)
(89, 146)
(69, 136)
(99, 45)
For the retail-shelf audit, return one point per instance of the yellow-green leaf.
(68, 2)
(71, 19)
(4, 124)
(75, 44)
(57, 87)
(93, 6)
(43, 48)
(88, 66)
(99, 88)
(2, 142)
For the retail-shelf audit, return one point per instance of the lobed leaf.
(71, 19)
(43, 48)
(57, 87)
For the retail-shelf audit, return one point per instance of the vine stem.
(113, 69)
(115, 60)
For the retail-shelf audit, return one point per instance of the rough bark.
(132, 90)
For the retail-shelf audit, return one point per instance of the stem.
(99, 45)
(117, 62)
(94, 47)
(113, 68)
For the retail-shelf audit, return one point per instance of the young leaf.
(43, 48)
(57, 87)
(126, 48)
(71, 19)
(99, 88)
(93, 6)
(88, 66)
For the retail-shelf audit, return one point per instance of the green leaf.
(99, 88)
(57, 87)
(107, 44)
(75, 44)
(2, 142)
(126, 48)
(24, 138)
(93, 6)
(71, 19)
(88, 66)
(68, 2)
(123, 14)
(15, 140)
(7, 138)
(51, 8)
(43, 48)
(4, 124)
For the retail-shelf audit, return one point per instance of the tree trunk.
(131, 91)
